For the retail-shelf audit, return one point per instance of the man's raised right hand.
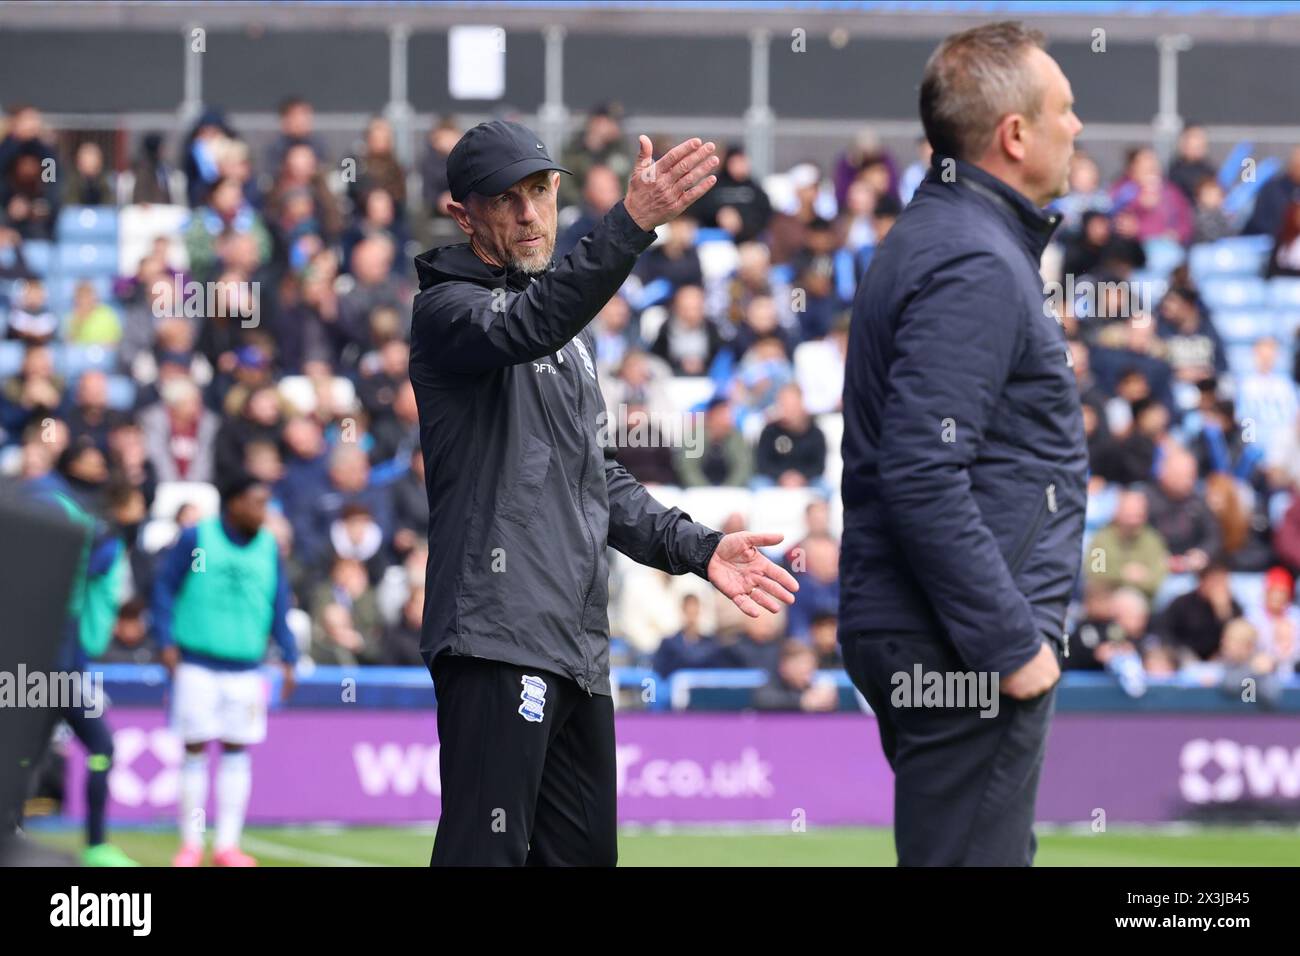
(659, 191)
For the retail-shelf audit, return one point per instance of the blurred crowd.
(736, 319)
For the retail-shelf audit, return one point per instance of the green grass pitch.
(409, 846)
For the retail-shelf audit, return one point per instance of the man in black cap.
(525, 497)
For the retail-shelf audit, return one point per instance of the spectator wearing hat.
(1276, 620)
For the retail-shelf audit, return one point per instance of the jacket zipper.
(1049, 505)
(582, 505)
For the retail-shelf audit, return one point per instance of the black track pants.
(528, 771)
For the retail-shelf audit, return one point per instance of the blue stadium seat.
(1286, 323)
(11, 358)
(121, 392)
(97, 224)
(1284, 292)
(1235, 292)
(1150, 288)
(1163, 255)
(1247, 588)
(87, 259)
(1238, 255)
(1244, 327)
(39, 255)
(1241, 360)
(1100, 509)
(71, 360)
(60, 291)
(1174, 585)
(1278, 506)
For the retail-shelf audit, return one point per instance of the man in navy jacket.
(965, 460)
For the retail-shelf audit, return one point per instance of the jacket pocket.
(521, 501)
(1047, 504)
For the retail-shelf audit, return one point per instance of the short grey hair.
(972, 80)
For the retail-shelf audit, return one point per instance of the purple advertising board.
(382, 767)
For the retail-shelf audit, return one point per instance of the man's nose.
(527, 211)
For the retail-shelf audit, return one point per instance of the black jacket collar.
(459, 263)
(1031, 225)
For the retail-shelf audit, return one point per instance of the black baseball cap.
(493, 156)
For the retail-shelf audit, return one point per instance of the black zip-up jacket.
(524, 492)
(964, 454)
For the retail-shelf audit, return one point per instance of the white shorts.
(229, 706)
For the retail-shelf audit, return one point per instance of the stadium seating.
(1163, 256)
(1238, 255)
(1234, 292)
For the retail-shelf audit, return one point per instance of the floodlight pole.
(759, 125)
(1167, 123)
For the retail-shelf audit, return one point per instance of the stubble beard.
(535, 262)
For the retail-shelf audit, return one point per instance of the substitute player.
(220, 593)
(524, 500)
(77, 488)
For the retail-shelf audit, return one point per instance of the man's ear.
(1011, 136)
(461, 215)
